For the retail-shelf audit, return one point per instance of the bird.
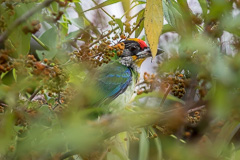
(112, 88)
(116, 81)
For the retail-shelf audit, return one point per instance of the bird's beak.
(147, 53)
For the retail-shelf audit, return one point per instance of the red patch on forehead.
(142, 44)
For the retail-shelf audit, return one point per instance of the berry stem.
(103, 10)
(40, 42)
(166, 94)
(135, 27)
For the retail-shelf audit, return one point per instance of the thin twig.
(68, 154)
(196, 109)
(58, 100)
(103, 10)
(35, 93)
(166, 94)
(136, 27)
(104, 154)
(103, 36)
(128, 11)
(22, 19)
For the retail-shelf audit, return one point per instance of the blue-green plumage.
(115, 82)
(113, 79)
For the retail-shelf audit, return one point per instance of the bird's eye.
(132, 49)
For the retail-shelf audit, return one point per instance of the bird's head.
(136, 51)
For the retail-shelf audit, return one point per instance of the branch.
(196, 109)
(103, 36)
(68, 154)
(166, 94)
(35, 93)
(136, 27)
(114, 124)
(103, 10)
(23, 18)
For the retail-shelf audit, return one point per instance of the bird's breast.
(124, 99)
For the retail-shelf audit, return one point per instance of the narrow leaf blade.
(140, 28)
(153, 23)
(106, 3)
(144, 146)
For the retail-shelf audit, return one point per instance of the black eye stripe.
(131, 48)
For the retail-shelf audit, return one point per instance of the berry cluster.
(100, 53)
(5, 61)
(32, 28)
(195, 118)
(177, 80)
(127, 26)
(55, 16)
(148, 84)
(68, 95)
(3, 24)
(52, 75)
(1, 109)
(197, 19)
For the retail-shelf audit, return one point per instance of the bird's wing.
(113, 79)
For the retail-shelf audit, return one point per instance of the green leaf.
(159, 147)
(140, 28)
(71, 35)
(106, 3)
(231, 24)
(158, 95)
(153, 23)
(140, 1)
(171, 14)
(203, 4)
(167, 28)
(46, 54)
(14, 74)
(119, 147)
(19, 39)
(78, 22)
(167, 13)
(8, 78)
(79, 10)
(49, 38)
(7, 133)
(120, 24)
(225, 136)
(157, 142)
(143, 146)
(218, 8)
(54, 6)
(126, 8)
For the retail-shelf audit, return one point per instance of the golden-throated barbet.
(116, 80)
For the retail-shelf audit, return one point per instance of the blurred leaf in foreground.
(153, 23)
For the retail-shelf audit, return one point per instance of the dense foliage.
(189, 109)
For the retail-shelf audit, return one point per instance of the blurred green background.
(186, 104)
